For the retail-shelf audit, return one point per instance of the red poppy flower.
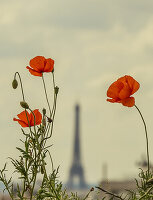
(40, 64)
(23, 118)
(121, 90)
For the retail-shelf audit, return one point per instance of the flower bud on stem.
(24, 105)
(56, 90)
(14, 84)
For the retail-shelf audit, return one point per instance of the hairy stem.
(110, 193)
(17, 73)
(147, 142)
(46, 95)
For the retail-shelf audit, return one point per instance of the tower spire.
(76, 150)
(76, 169)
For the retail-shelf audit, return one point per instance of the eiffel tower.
(76, 170)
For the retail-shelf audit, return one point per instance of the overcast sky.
(93, 43)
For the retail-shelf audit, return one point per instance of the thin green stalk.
(28, 121)
(23, 97)
(34, 121)
(46, 95)
(8, 191)
(53, 116)
(22, 92)
(146, 193)
(35, 171)
(147, 142)
(51, 159)
(17, 73)
(45, 173)
(54, 94)
(52, 124)
(52, 112)
(33, 184)
(110, 193)
(92, 189)
(26, 159)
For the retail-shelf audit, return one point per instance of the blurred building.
(119, 187)
(76, 174)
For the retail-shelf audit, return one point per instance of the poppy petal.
(34, 72)
(129, 102)
(112, 100)
(22, 123)
(38, 117)
(114, 89)
(122, 79)
(38, 63)
(23, 116)
(125, 92)
(133, 84)
(49, 66)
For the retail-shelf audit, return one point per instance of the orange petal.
(49, 66)
(38, 117)
(129, 102)
(112, 100)
(125, 91)
(133, 84)
(38, 63)
(122, 79)
(114, 89)
(33, 72)
(22, 123)
(23, 116)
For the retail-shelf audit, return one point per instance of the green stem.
(45, 173)
(33, 184)
(88, 194)
(51, 159)
(52, 124)
(28, 121)
(17, 73)
(34, 121)
(53, 116)
(110, 193)
(9, 191)
(147, 142)
(36, 156)
(22, 92)
(54, 94)
(146, 193)
(46, 95)
(47, 136)
(26, 159)
(23, 97)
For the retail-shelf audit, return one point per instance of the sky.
(93, 43)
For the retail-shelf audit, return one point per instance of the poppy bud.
(49, 119)
(14, 84)
(44, 111)
(44, 121)
(24, 105)
(56, 90)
